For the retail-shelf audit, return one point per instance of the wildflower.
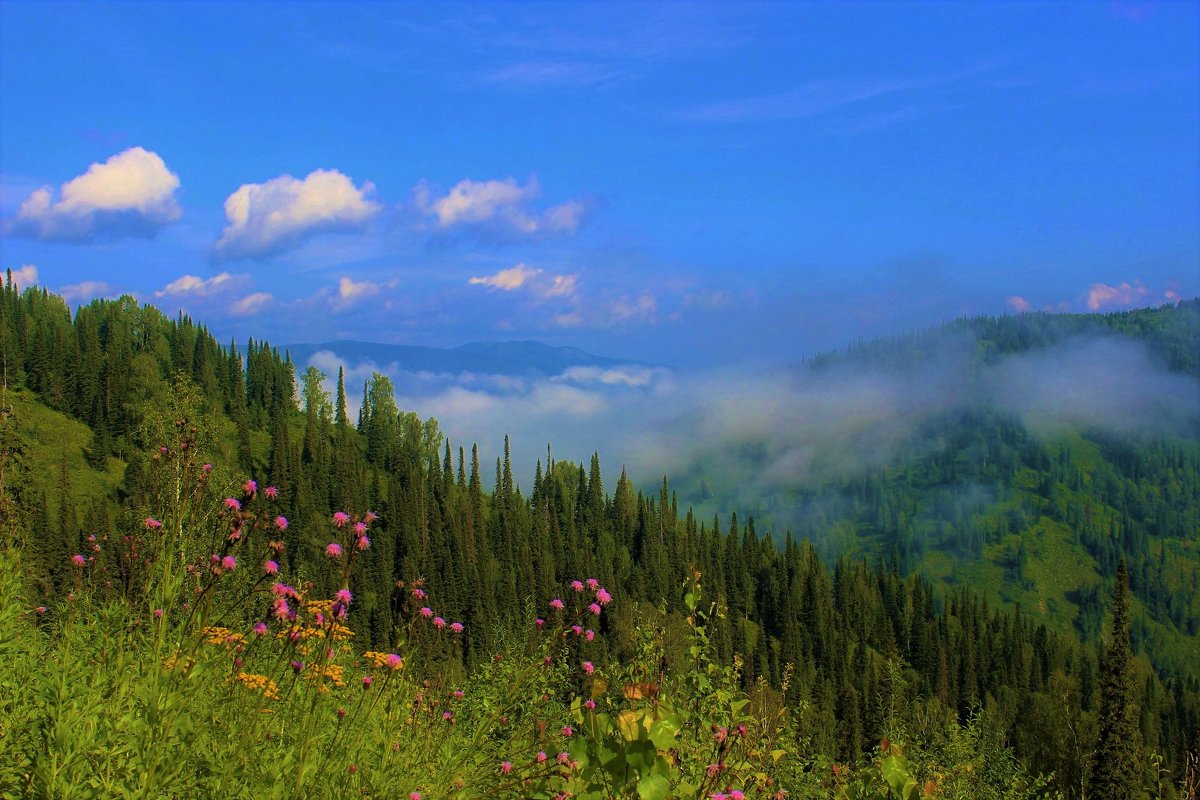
(737, 794)
(367, 681)
(271, 492)
(228, 563)
(353, 768)
(360, 528)
(394, 662)
(713, 769)
(577, 630)
(446, 715)
(281, 523)
(603, 597)
(426, 612)
(152, 523)
(557, 604)
(563, 758)
(340, 519)
(297, 666)
(282, 611)
(577, 585)
(333, 550)
(283, 590)
(233, 503)
(721, 735)
(418, 593)
(539, 622)
(343, 596)
(458, 694)
(158, 613)
(78, 560)
(362, 543)
(40, 609)
(567, 731)
(547, 661)
(414, 796)
(439, 623)
(271, 568)
(207, 468)
(541, 756)
(589, 635)
(457, 627)
(719, 796)
(589, 667)
(506, 767)
(590, 705)
(370, 517)
(593, 584)
(595, 609)
(260, 629)
(250, 487)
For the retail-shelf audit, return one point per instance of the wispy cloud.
(25, 275)
(501, 208)
(266, 219)
(535, 281)
(1101, 295)
(132, 194)
(551, 74)
(87, 290)
(195, 286)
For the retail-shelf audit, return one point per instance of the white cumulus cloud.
(499, 207)
(25, 275)
(1101, 295)
(130, 194)
(268, 218)
(195, 286)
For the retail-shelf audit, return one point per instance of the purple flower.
(343, 596)
(260, 629)
(457, 627)
(362, 543)
(595, 609)
(394, 661)
(152, 523)
(207, 468)
(506, 767)
(360, 528)
(78, 560)
(281, 523)
(250, 487)
(589, 667)
(557, 604)
(567, 730)
(340, 519)
(593, 583)
(228, 563)
(297, 666)
(233, 503)
(603, 597)
(271, 492)
(271, 568)
(333, 550)
(577, 585)
(439, 623)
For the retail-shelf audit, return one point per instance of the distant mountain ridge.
(525, 357)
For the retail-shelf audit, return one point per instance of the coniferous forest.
(212, 549)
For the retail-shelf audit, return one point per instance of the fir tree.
(1116, 762)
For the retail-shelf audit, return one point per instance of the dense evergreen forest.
(926, 603)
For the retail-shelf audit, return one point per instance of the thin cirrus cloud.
(131, 195)
(499, 208)
(267, 219)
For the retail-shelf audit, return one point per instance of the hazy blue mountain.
(498, 358)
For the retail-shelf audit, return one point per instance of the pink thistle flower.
(737, 794)
(370, 517)
(589, 635)
(446, 715)
(233, 503)
(567, 731)
(577, 630)
(207, 468)
(271, 568)
(547, 661)
(228, 563)
(577, 585)
(418, 593)
(557, 604)
(457, 627)
(439, 623)
(362, 543)
(260, 629)
(394, 662)
(718, 796)
(426, 612)
(367, 681)
(235, 534)
(152, 523)
(158, 613)
(281, 609)
(250, 487)
(539, 622)
(712, 770)
(541, 756)
(564, 758)
(458, 694)
(589, 667)
(360, 528)
(593, 584)
(343, 596)
(91, 537)
(78, 560)
(590, 705)
(603, 597)
(340, 519)
(297, 666)
(333, 550)
(40, 609)
(271, 492)
(595, 609)
(281, 523)
(505, 767)
(721, 735)
(163, 450)
(414, 796)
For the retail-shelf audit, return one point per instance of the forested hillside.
(965, 604)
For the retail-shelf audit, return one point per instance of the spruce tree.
(1116, 762)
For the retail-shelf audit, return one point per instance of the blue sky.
(693, 184)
